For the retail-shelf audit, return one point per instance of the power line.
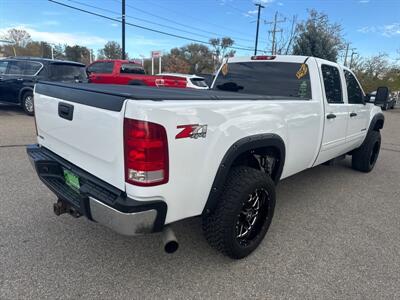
(143, 20)
(143, 27)
(206, 22)
(180, 24)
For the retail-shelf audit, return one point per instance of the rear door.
(358, 111)
(13, 80)
(3, 85)
(336, 112)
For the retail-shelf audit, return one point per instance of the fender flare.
(22, 91)
(241, 146)
(378, 117)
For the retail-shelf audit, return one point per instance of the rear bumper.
(96, 199)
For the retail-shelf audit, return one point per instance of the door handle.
(331, 116)
(353, 114)
(66, 111)
(20, 79)
(1, 78)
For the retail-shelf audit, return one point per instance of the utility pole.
(123, 29)
(351, 59)
(258, 25)
(345, 56)
(274, 31)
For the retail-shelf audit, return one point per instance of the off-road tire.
(220, 226)
(27, 103)
(365, 157)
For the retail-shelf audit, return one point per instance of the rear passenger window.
(102, 67)
(332, 84)
(354, 91)
(31, 68)
(3, 67)
(15, 68)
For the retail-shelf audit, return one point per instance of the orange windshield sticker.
(302, 71)
(224, 69)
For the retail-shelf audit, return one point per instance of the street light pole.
(258, 26)
(123, 30)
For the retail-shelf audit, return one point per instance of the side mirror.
(382, 95)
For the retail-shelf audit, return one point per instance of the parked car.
(137, 159)
(192, 81)
(390, 104)
(18, 76)
(117, 71)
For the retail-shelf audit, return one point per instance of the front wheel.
(243, 214)
(27, 103)
(365, 157)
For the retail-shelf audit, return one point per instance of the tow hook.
(60, 208)
(169, 240)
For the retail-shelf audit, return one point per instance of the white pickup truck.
(136, 159)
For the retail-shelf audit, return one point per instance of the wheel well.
(378, 125)
(266, 159)
(23, 92)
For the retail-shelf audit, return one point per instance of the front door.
(336, 113)
(358, 112)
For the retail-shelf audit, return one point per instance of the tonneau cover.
(145, 93)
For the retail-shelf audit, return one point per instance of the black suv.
(18, 76)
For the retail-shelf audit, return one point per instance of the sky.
(372, 26)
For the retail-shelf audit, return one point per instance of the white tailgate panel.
(93, 140)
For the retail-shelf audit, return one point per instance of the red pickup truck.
(116, 71)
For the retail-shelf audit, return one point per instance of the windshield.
(67, 72)
(274, 79)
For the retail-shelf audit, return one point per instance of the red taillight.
(34, 118)
(146, 153)
(263, 57)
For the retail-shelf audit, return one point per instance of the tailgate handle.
(66, 111)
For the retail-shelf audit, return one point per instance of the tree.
(192, 58)
(221, 49)
(77, 53)
(377, 71)
(111, 50)
(19, 37)
(175, 62)
(318, 37)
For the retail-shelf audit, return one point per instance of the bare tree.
(19, 37)
(221, 49)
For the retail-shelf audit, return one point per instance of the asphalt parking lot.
(335, 234)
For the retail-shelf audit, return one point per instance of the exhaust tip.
(171, 247)
(169, 240)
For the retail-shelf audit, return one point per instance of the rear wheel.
(27, 103)
(243, 214)
(365, 157)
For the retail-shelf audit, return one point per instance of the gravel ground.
(335, 234)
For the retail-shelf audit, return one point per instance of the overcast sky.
(372, 26)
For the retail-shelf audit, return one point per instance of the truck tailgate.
(83, 127)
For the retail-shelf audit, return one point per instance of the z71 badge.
(193, 131)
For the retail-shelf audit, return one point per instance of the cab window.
(354, 92)
(102, 67)
(131, 69)
(332, 84)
